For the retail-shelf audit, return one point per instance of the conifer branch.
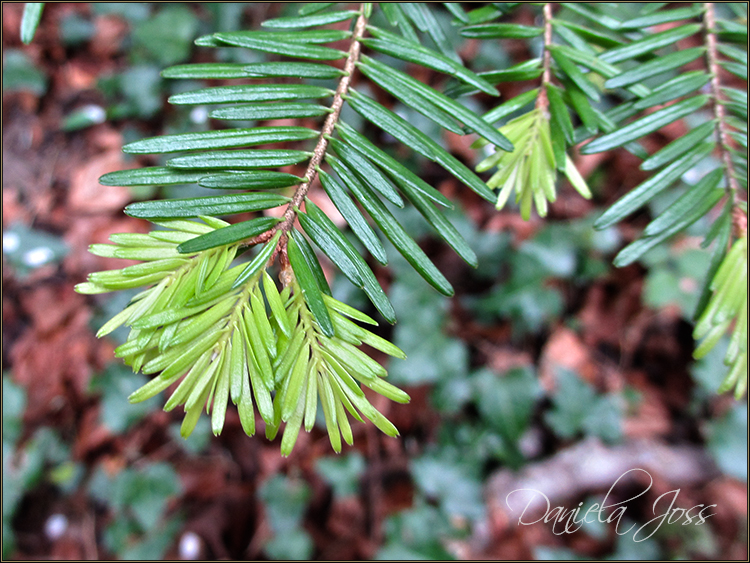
(542, 102)
(712, 56)
(320, 149)
(208, 325)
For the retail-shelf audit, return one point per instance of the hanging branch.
(225, 332)
(208, 324)
(712, 56)
(542, 102)
(320, 149)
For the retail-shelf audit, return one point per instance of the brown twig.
(290, 214)
(739, 221)
(712, 56)
(320, 149)
(541, 100)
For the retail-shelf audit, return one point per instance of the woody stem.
(320, 149)
(712, 57)
(542, 102)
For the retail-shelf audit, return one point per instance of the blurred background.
(549, 370)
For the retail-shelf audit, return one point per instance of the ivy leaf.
(507, 401)
(727, 442)
(342, 473)
(452, 484)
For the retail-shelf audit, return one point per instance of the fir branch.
(712, 57)
(739, 222)
(328, 127)
(542, 102)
